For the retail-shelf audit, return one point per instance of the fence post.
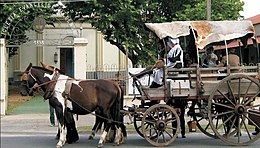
(3, 77)
(80, 64)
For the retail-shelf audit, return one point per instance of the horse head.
(31, 76)
(27, 82)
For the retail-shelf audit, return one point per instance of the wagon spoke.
(158, 135)
(149, 125)
(149, 129)
(230, 128)
(238, 130)
(230, 88)
(223, 124)
(171, 128)
(164, 139)
(226, 97)
(207, 127)
(256, 106)
(168, 133)
(239, 93)
(200, 119)
(244, 97)
(255, 114)
(252, 121)
(251, 99)
(150, 121)
(170, 120)
(245, 125)
(223, 113)
(168, 116)
(223, 105)
(157, 113)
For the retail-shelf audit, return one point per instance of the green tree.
(122, 21)
(18, 18)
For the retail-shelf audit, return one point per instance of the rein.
(25, 77)
(90, 112)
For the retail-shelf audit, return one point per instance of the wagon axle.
(160, 125)
(239, 109)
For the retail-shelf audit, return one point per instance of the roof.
(208, 31)
(237, 44)
(255, 19)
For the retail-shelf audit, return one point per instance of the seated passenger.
(209, 59)
(233, 60)
(175, 54)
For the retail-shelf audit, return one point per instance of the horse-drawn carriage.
(225, 104)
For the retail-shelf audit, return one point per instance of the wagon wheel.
(165, 125)
(234, 100)
(138, 124)
(202, 121)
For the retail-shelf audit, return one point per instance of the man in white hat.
(175, 55)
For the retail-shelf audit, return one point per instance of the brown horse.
(80, 97)
(99, 122)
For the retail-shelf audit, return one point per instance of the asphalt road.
(43, 140)
(32, 130)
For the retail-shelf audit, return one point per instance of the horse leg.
(103, 136)
(111, 134)
(62, 127)
(108, 121)
(121, 134)
(63, 132)
(97, 126)
(72, 133)
(58, 134)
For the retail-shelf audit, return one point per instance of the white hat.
(175, 40)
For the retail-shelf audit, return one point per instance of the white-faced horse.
(79, 97)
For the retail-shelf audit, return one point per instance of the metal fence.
(108, 72)
(105, 72)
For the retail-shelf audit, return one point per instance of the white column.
(3, 77)
(80, 49)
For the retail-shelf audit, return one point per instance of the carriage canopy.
(208, 31)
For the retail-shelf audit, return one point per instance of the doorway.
(67, 61)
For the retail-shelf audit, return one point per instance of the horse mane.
(43, 69)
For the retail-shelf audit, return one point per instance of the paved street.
(28, 126)
(33, 130)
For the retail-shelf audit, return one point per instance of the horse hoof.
(100, 145)
(90, 138)
(58, 146)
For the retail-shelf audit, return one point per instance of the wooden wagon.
(225, 104)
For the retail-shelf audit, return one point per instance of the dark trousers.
(155, 85)
(182, 121)
(181, 104)
(52, 116)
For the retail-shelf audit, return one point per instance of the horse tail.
(118, 105)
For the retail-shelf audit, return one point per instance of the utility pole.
(208, 10)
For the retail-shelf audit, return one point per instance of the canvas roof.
(208, 31)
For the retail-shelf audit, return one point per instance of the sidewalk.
(33, 117)
(36, 123)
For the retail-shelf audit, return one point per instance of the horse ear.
(30, 65)
(43, 65)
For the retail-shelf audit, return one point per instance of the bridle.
(25, 77)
